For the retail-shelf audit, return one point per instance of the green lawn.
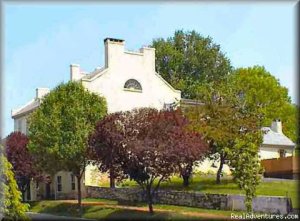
(108, 209)
(206, 184)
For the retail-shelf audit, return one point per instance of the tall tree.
(264, 94)
(234, 131)
(148, 145)
(23, 163)
(59, 129)
(10, 196)
(221, 117)
(188, 59)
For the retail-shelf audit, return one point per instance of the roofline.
(170, 86)
(191, 102)
(13, 111)
(278, 145)
(24, 113)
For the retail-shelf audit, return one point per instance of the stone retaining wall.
(265, 204)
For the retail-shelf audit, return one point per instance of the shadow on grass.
(104, 213)
(144, 215)
(201, 185)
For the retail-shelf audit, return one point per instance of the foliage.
(10, 203)
(245, 163)
(222, 117)
(154, 147)
(264, 94)
(108, 141)
(188, 59)
(23, 163)
(189, 145)
(59, 129)
(106, 148)
(234, 129)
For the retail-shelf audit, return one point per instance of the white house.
(128, 80)
(275, 145)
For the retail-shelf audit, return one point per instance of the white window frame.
(59, 183)
(73, 186)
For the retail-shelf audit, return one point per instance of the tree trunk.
(186, 180)
(186, 173)
(150, 201)
(79, 194)
(112, 179)
(54, 187)
(222, 161)
(23, 195)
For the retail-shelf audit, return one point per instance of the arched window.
(133, 84)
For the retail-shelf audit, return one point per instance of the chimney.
(114, 48)
(149, 57)
(75, 73)
(276, 126)
(41, 92)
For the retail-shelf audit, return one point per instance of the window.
(59, 185)
(169, 106)
(132, 85)
(72, 182)
(18, 124)
(282, 153)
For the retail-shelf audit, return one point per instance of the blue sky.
(42, 40)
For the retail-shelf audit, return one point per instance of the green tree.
(10, 196)
(222, 117)
(264, 94)
(234, 131)
(188, 59)
(245, 163)
(60, 127)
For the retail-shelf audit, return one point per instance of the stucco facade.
(128, 80)
(122, 66)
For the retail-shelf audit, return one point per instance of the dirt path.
(193, 214)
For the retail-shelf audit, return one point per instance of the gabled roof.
(27, 108)
(275, 139)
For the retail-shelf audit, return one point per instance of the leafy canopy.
(233, 129)
(147, 145)
(59, 128)
(264, 94)
(188, 59)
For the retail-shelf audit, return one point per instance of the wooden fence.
(286, 167)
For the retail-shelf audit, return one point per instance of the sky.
(41, 40)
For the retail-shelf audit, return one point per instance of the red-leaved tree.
(190, 147)
(21, 160)
(149, 146)
(105, 147)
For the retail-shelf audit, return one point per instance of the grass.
(109, 210)
(206, 184)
